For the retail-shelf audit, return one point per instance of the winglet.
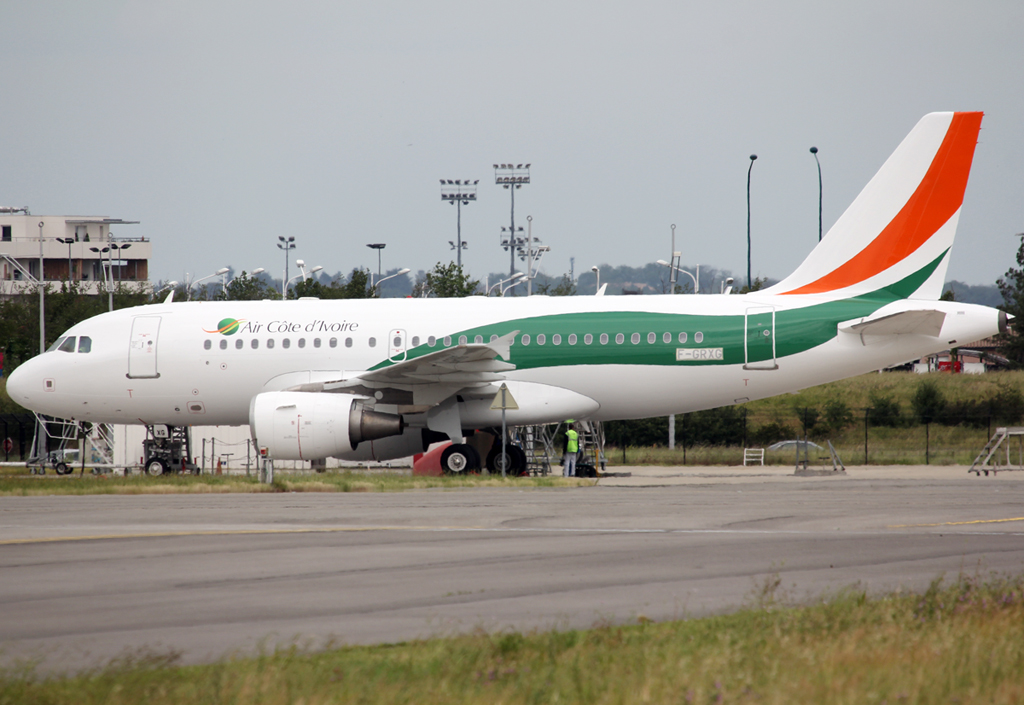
(904, 218)
(502, 347)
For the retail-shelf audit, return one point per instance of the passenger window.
(348, 342)
(302, 342)
(238, 344)
(255, 344)
(588, 339)
(462, 340)
(698, 337)
(447, 341)
(541, 339)
(682, 337)
(68, 345)
(415, 341)
(526, 339)
(479, 339)
(85, 344)
(286, 343)
(635, 339)
(604, 339)
(207, 344)
(556, 339)
(397, 341)
(431, 341)
(667, 338)
(270, 343)
(56, 344)
(493, 337)
(652, 338)
(333, 342)
(572, 339)
(373, 342)
(619, 337)
(223, 344)
(316, 342)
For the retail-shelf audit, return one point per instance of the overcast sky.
(222, 125)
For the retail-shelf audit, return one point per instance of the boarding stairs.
(538, 446)
(66, 432)
(988, 459)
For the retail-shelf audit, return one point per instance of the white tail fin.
(903, 222)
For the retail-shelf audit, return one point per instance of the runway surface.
(87, 579)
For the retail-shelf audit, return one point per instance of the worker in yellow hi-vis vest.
(572, 448)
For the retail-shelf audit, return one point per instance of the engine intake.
(313, 426)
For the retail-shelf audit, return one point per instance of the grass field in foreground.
(961, 642)
(28, 485)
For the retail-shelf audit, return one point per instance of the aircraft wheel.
(156, 467)
(459, 458)
(518, 461)
(62, 469)
(498, 461)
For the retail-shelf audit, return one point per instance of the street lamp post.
(68, 241)
(597, 272)
(459, 193)
(285, 244)
(814, 151)
(42, 295)
(106, 283)
(114, 247)
(517, 277)
(400, 272)
(220, 272)
(512, 177)
(750, 282)
(376, 246)
(696, 279)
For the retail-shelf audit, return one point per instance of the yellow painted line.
(958, 523)
(232, 532)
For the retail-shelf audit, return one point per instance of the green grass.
(961, 642)
(27, 485)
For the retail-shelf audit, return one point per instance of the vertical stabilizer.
(903, 221)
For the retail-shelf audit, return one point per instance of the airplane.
(382, 379)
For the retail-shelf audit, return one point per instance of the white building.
(83, 247)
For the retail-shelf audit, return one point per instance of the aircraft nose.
(19, 385)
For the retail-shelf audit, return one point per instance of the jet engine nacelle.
(313, 426)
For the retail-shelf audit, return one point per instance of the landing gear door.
(759, 339)
(396, 345)
(142, 348)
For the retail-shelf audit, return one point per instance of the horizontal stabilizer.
(923, 322)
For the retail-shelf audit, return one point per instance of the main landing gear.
(511, 463)
(459, 458)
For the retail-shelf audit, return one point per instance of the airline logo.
(227, 326)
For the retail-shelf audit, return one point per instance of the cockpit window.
(56, 344)
(85, 344)
(68, 345)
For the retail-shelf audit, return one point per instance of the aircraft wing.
(429, 379)
(920, 322)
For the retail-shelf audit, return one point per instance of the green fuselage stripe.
(742, 339)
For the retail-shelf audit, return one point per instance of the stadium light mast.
(376, 246)
(512, 177)
(459, 193)
(750, 282)
(285, 244)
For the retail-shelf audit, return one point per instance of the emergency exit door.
(142, 347)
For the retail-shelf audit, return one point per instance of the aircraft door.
(759, 338)
(396, 345)
(142, 347)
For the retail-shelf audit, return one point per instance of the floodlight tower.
(285, 244)
(512, 177)
(459, 193)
